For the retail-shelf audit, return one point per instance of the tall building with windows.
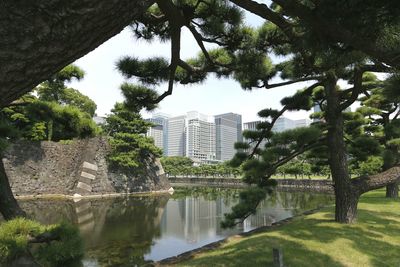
(156, 132)
(176, 138)
(162, 119)
(200, 137)
(228, 131)
(283, 124)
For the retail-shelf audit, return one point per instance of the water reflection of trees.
(208, 193)
(302, 200)
(121, 229)
(129, 228)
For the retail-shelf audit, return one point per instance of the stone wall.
(76, 168)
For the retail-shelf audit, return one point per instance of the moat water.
(131, 231)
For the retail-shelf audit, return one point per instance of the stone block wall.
(76, 168)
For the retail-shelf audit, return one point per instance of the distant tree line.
(183, 166)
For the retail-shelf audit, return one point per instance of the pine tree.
(131, 149)
(306, 57)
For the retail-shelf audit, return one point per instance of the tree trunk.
(9, 207)
(346, 197)
(392, 190)
(50, 34)
(346, 201)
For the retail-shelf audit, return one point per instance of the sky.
(214, 96)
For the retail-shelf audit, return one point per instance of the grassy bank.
(315, 240)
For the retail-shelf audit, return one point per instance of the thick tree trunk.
(346, 202)
(9, 207)
(392, 190)
(346, 197)
(38, 38)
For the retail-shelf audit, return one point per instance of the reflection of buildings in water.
(270, 210)
(193, 219)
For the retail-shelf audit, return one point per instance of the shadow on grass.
(257, 251)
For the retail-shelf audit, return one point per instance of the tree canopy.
(55, 113)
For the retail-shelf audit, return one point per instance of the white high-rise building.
(176, 136)
(162, 119)
(156, 132)
(228, 128)
(200, 137)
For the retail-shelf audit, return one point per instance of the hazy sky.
(102, 81)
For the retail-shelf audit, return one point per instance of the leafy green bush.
(15, 235)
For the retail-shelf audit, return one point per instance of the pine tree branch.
(355, 91)
(270, 86)
(197, 36)
(264, 11)
(367, 183)
(317, 143)
(176, 21)
(397, 115)
(280, 113)
(336, 32)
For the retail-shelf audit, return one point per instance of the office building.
(162, 119)
(156, 132)
(176, 139)
(200, 137)
(283, 124)
(228, 129)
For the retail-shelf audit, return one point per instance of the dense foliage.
(54, 112)
(183, 166)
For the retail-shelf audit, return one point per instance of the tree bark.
(38, 38)
(346, 197)
(368, 183)
(9, 207)
(392, 190)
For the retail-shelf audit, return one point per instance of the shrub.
(15, 235)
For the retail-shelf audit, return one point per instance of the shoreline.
(323, 186)
(94, 196)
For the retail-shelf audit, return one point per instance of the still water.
(134, 230)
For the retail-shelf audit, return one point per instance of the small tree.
(131, 149)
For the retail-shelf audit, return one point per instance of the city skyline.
(207, 138)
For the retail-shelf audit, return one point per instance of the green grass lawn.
(315, 240)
